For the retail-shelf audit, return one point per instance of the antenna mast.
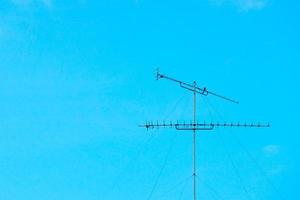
(194, 145)
(195, 126)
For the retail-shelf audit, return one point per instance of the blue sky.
(78, 77)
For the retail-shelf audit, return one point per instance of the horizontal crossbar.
(201, 126)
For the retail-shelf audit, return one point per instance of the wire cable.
(141, 149)
(215, 192)
(235, 168)
(175, 186)
(251, 157)
(183, 189)
(175, 106)
(162, 168)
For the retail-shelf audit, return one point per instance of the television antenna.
(195, 126)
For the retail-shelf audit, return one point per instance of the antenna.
(195, 126)
(194, 88)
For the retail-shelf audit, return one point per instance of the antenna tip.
(158, 75)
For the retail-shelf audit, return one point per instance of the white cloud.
(246, 5)
(20, 2)
(243, 5)
(47, 3)
(3, 31)
(271, 149)
(276, 170)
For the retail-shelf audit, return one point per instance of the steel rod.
(194, 144)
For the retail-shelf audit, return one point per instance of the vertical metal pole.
(194, 144)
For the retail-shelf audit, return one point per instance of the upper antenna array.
(193, 88)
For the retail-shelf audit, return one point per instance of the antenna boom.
(202, 91)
